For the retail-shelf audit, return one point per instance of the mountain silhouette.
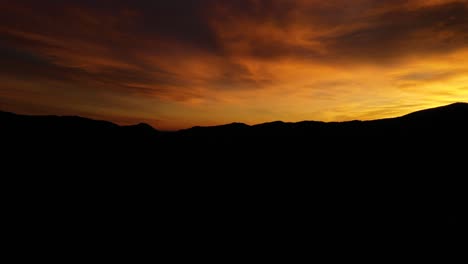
(437, 120)
(397, 179)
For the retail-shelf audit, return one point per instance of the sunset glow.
(182, 63)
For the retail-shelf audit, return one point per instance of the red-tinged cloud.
(203, 62)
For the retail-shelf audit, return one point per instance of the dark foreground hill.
(276, 184)
(432, 137)
(450, 120)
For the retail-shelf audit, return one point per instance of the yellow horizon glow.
(324, 61)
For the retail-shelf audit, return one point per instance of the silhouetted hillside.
(70, 130)
(418, 133)
(414, 140)
(399, 178)
(446, 119)
(436, 120)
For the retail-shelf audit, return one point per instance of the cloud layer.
(181, 63)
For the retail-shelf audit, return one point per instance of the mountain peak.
(143, 126)
(454, 110)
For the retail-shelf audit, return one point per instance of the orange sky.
(181, 63)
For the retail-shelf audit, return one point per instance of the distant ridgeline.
(401, 179)
(427, 141)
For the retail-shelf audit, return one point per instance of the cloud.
(296, 59)
(407, 32)
(430, 76)
(97, 36)
(356, 31)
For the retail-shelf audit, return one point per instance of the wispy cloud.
(191, 62)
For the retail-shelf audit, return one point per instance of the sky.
(175, 64)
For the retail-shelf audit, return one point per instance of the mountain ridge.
(429, 113)
(401, 176)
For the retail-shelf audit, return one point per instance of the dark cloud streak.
(390, 36)
(196, 52)
(164, 27)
